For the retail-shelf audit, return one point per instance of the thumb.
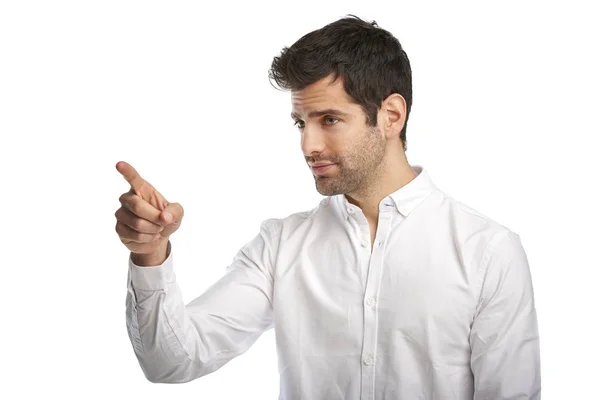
(171, 218)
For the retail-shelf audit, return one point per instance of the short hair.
(369, 59)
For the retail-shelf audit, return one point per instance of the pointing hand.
(145, 219)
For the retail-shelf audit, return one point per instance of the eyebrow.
(319, 113)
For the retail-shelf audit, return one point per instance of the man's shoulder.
(466, 210)
(471, 220)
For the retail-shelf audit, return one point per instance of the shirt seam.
(484, 264)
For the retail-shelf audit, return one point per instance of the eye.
(299, 123)
(330, 120)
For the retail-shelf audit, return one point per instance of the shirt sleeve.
(177, 343)
(505, 357)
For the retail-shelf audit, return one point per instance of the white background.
(505, 119)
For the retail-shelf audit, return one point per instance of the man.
(388, 289)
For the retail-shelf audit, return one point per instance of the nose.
(312, 141)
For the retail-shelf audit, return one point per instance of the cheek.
(347, 145)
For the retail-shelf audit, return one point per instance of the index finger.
(130, 175)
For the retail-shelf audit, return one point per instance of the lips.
(319, 163)
(320, 169)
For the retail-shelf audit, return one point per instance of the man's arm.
(177, 343)
(505, 357)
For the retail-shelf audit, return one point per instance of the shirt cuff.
(152, 278)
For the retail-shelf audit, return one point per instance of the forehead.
(323, 94)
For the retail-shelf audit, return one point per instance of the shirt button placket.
(375, 264)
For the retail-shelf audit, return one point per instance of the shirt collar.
(405, 199)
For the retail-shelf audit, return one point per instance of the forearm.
(175, 342)
(158, 350)
(159, 327)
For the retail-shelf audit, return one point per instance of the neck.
(393, 174)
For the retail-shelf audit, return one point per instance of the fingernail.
(168, 217)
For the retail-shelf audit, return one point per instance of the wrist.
(155, 258)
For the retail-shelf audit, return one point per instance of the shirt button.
(368, 360)
(364, 243)
(370, 301)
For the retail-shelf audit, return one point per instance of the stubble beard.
(366, 160)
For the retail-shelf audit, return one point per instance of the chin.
(326, 190)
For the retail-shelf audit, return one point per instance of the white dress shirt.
(441, 306)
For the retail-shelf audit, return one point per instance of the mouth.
(321, 170)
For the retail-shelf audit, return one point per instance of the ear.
(392, 115)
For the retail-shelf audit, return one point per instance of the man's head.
(351, 96)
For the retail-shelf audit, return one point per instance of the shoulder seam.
(484, 261)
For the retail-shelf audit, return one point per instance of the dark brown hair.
(369, 59)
